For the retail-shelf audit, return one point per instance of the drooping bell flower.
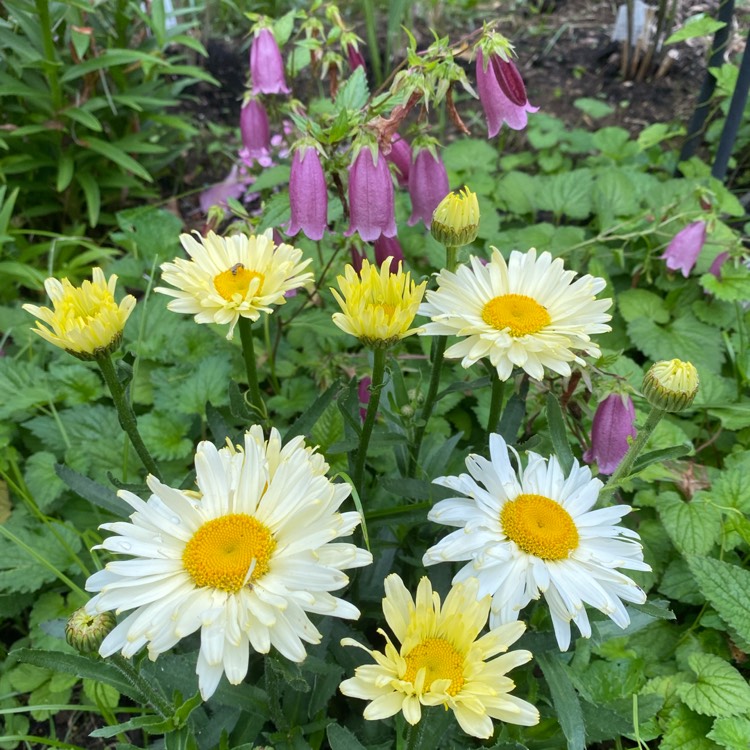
(719, 261)
(614, 423)
(308, 194)
(685, 247)
(266, 65)
(388, 247)
(400, 157)
(371, 211)
(255, 131)
(502, 100)
(357, 257)
(234, 186)
(428, 185)
(353, 55)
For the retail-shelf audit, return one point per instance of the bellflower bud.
(256, 134)
(719, 261)
(685, 247)
(354, 57)
(400, 157)
(671, 385)
(456, 219)
(614, 423)
(357, 257)
(266, 65)
(388, 247)
(371, 211)
(428, 185)
(495, 96)
(308, 194)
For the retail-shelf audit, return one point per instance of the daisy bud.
(371, 211)
(308, 194)
(85, 321)
(266, 65)
(254, 128)
(671, 385)
(388, 247)
(400, 157)
(614, 423)
(685, 247)
(85, 632)
(428, 185)
(501, 93)
(456, 219)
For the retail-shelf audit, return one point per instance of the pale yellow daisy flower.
(231, 277)
(378, 306)
(441, 662)
(85, 321)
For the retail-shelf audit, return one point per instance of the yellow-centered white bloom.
(440, 660)
(378, 306)
(535, 533)
(455, 221)
(231, 277)
(528, 313)
(85, 321)
(671, 384)
(243, 560)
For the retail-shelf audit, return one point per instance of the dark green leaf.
(558, 434)
(565, 699)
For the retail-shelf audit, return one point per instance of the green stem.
(125, 413)
(50, 64)
(251, 368)
(271, 353)
(378, 374)
(415, 735)
(496, 400)
(635, 448)
(153, 696)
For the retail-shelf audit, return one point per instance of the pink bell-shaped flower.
(614, 423)
(685, 247)
(308, 194)
(400, 157)
(266, 65)
(354, 57)
(428, 185)
(371, 211)
(388, 247)
(255, 131)
(502, 94)
(719, 261)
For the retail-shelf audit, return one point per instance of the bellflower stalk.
(266, 65)
(308, 194)
(254, 128)
(428, 185)
(400, 157)
(371, 210)
(614, 423)
(685, 247)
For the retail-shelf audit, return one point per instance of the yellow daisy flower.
(378, 306)
(85, 321)
(441, 662)
(231, 277)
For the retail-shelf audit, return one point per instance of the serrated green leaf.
(640, 303)
(353, 94)
(678, 583)
(23, 387)
(701, 25)
(340, 738)
(733, 286)
(469, 154)
(152, 233)
(614, 195)
(186, 390)
(558, 434)
(41, 479)
(568, 193)
(719, 689)
(595, 108)
(565, 700)
(693, 527)
(731, 732)
(165, 434)
(686, 730)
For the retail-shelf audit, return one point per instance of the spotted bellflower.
(255, 131)
(614, 423)
(266, 65)
(388, 247)
(371, 211)
(400, 157)
(685, 247)
(428, 185)
(308, 194)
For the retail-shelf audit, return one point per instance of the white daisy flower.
(243, 560)
(528, 313)
(535, 533)
(231, 277)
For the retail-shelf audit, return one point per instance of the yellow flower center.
(517, 312)
(387, 309)
(237, 280)
(441, 662)
(221, 552)
(540, 527)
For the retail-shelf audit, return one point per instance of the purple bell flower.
(685, 247)
(503, 100)
(256, 133)
(719, 261)
(614, 423)
(428, 185)
(308, 194)
(400, 157)
(354, 57)
(388, 247)
(266, 65)
(371, 211)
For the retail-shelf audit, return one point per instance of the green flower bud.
(671, 385)
(86, 632)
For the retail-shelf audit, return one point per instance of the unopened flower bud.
(671, 385)
(456, 219)
(407, 410)
(86, 632)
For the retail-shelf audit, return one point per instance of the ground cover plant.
(425, 437)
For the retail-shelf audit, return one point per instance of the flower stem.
(378, 374)
(496, 400)
(248, 352)
(415, 735)
(153, 695)
(636, 447)
(125, 413)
